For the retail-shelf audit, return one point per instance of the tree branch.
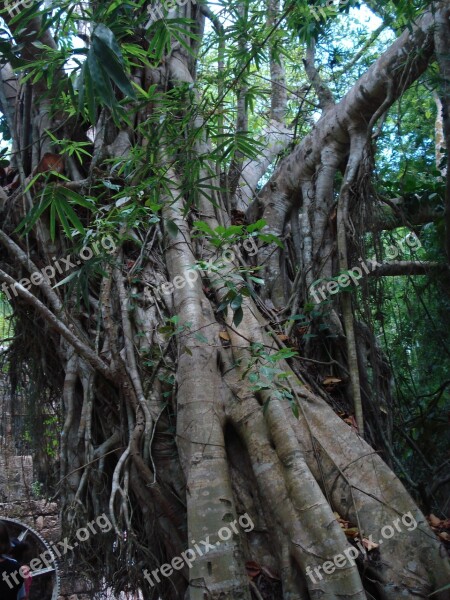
(399, 268)
(323, 92)
(83, 350)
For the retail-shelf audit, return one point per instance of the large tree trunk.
(162, 426)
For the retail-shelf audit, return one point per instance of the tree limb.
(85, 351)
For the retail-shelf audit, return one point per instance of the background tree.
(185, 402)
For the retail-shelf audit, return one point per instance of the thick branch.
(323, 92)
(404, 61)
(406, 211)
(394, 269)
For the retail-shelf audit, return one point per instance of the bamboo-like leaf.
(67, 279)
(63, 218)
(29, 221)
(52, 222)
(100, 80)
(72, 216)
(90, 96)
(107, 37)
(113, 65)
(159, 41)
(75, 198)
(238, 316)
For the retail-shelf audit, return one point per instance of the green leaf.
(111, 186)
(236, 303)
(238, 316)
(232, 230)
(29, 221)
(75, 198)
(257, 280)
(202, 226)
(113, 65)
(67, 279)
(160, 40)
(201, 338)
(104, 35)
(73, 217)
(90, 95)
(100, 80)
(270, 239)
(63, 218)
(172, 228)
(256, 226)
(52, 222)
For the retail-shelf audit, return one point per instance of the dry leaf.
(368, 545)
(331, 381)
(434, 521)
(344, 524)
(224, 335)
(352, 422)
(351, 532)
(253, 569)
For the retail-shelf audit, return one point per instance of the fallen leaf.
(224, 335)
(434, 521)
(351, 532)
(352, 422)
(253, 569)
(344, 524)
(331, 381)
